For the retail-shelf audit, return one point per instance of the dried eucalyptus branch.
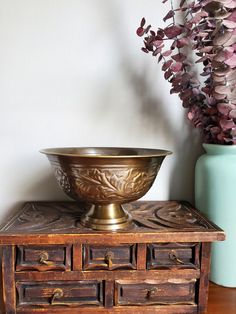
(209, 28)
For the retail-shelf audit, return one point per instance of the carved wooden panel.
(173, 255)
(109, 257)
(43, 258)
(66, 293)
(150, 292)
(63, 217)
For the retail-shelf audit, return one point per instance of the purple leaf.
(145, 50)
(173, 31)
(206, 49)
(169, 15)
(176, 67)
(218, 96)
(227, 124)
(166, 65)
(143, 21)
(232, 17)
(232, 114)
(167, 53)
(231, 61)
(180, 43)
(168, 74)
(160, 58)
(220, 39)
(215, 130)
(229, 24)
(222, 89)
(224, 108)
(179, 57)
(157, 43)
(140, 31)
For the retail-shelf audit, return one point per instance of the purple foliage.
(209, 29)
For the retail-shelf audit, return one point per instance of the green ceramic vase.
(215, 196)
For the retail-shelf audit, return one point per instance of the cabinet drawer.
(173, 255)
(43, 258)
(53, 293)
(109, 257)
(150, 292)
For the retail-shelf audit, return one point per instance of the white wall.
(72, 74)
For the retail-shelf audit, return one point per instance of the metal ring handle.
(108, 258)
(57, 294)
(173, 257)
(44, 259)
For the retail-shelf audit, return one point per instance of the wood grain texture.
(204, 278)
(120, 263)
(221, 300)
(77, 257)
(8, 279)
(175, 309)
(170, 218)
(141, 256)
(109, 275)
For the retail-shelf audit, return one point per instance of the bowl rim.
(147, 152)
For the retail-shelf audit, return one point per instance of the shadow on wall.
(185, 140)
(154, 117)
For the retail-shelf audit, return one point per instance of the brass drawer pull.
(151, 292)
(108, 258)
(57, 294)
(173, 257)
(43, 259)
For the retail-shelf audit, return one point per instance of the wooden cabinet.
(50, 264)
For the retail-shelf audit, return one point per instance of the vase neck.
(217, 149)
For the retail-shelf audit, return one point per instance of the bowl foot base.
(107, 217)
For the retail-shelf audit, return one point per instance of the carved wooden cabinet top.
(153, 221)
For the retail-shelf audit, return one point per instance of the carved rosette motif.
(175, 215)
(112, 184)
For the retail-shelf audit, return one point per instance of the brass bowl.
(106, 178)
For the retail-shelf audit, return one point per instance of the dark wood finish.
(100, 257)
(204, 278)
(173, 255)
(109, 293)
(141, 256)
(108, 275)
(222, 300)
(67, 293)
(8, 280)
(173, 309)
(43, 258)
(156, 292)
(77, 257)
(160, 264)
(171, 219)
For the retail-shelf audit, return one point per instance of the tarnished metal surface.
(106, 178)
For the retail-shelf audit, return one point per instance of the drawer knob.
(57, 294)
(44, 259)
(151, 292)
(108, 258)
(173, 257)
